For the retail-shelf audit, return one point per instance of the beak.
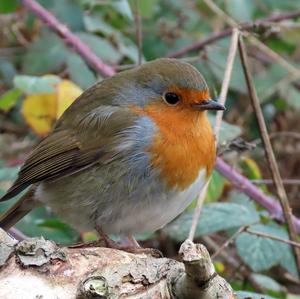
(208, 105)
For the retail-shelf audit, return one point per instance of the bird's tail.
(22, 207)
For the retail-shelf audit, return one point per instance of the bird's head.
(167, 84)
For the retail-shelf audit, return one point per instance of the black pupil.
(171, 98)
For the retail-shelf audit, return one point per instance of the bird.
(127, 156)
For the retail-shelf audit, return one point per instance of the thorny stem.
(268, 149)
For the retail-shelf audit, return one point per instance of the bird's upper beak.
(208, 105)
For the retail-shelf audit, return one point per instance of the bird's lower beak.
(209, 105)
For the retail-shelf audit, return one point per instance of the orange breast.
(183, 145)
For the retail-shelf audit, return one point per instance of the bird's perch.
(37, 268)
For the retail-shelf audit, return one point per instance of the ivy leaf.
(40, 222)
(267, 283)
(34, 85)
(123, 8)
(214, 217)
(261, 253)
(227, 132)
(45, 55)
(240, 10)
(101, 47)
(79, 71)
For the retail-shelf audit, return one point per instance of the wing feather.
(68, 150)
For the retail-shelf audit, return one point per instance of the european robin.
(128, 155)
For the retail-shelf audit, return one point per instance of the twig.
(138, 25)
(81, 48)
(264, 235)
(268, 149)
(228, 241)
(244, 26)
(222, 100)
(293, 182)
(197, 211)
(226, 81)
(272, 135)
(262, 47)
(239, 181)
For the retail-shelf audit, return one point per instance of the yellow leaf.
(67, 93)
(39, 111)
(251, 169)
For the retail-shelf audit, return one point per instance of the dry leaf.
(43, 109)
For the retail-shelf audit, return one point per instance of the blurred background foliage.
(40, 76)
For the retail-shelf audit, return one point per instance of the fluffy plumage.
(120, 157)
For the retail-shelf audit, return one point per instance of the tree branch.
(97, 272)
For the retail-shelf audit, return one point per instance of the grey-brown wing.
(66, 151)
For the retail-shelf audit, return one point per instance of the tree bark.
(38, 268)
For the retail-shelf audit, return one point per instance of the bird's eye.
(171, 98)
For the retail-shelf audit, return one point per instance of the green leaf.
(8, 173)
(9, 99)
(8, 6)
(248, 295)
(79, 72)
(69, 13)
(217, 59)
(128, 48)
(95, 23)
(242, 199)
(261, 253)
(267, 283)
(215, 187)
(240, 10)
(227, 132)
(123, 8)
(282, 5)
(267, 79)
(291, 95)
(7, 71)
(46, 54)
(32, 84)
(147, 7)
(101, 47)
(40, 222)
(214, 217)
